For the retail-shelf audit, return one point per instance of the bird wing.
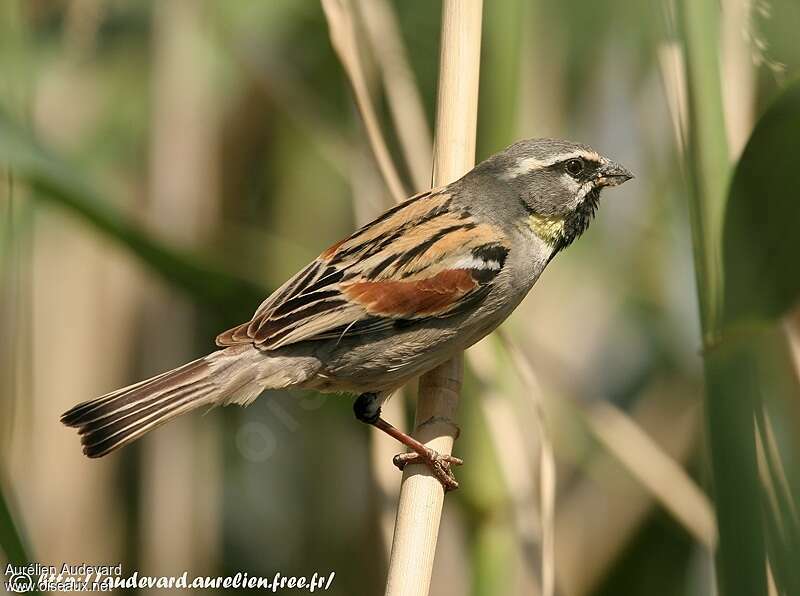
(424, 258)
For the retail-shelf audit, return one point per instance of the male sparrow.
(425, 280)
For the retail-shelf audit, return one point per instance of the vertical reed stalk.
(343, 38)
(732, 388)
(421, 494)
(404, 99)
(179, 491)
(707, 153)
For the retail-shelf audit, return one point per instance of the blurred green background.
(164, 164)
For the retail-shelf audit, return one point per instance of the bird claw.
(438, 463)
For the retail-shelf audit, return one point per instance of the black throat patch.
(576, 222)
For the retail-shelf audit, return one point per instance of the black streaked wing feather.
(418, 260)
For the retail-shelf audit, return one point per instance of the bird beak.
(612, 174)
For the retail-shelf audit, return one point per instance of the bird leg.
(367, 409)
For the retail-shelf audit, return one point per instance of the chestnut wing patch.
(412, 299)
(419, 260)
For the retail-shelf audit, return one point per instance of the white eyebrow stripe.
(531, 163)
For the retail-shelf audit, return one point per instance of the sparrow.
(401, 295)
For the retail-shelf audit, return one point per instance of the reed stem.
(421, 494)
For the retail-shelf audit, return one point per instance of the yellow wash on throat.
(549, 229)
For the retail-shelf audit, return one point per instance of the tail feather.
(129, 396)
(99, 442)
(113, 421)
(117, 418)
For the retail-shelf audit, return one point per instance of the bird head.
(558, 184)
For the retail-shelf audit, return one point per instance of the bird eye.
(574, 167)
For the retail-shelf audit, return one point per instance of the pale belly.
(390, 361)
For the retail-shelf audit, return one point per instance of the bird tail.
(117, 418)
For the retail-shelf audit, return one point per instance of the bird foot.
(440, 464)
